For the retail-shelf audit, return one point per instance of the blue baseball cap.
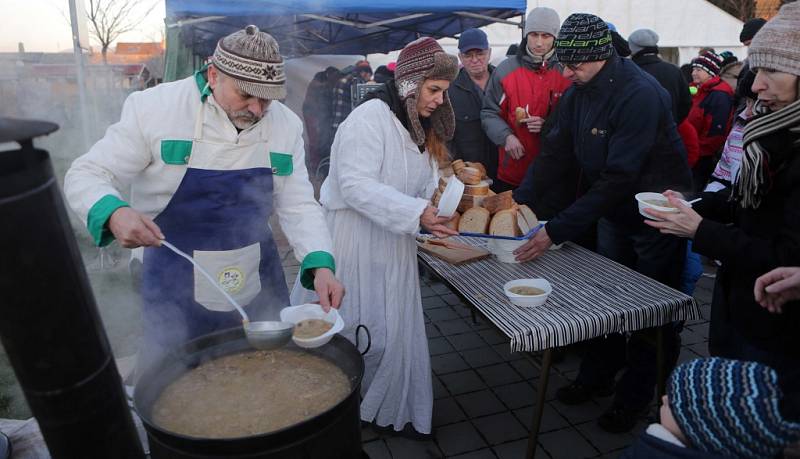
(472, 39)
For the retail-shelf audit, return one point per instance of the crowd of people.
(330, 97)
(576, 121)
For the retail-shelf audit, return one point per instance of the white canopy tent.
(684, 26)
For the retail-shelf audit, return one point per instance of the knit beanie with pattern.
(709, 61)
(253, 60)
(583, 38)
(777, 45)
(420, 60)
(730, 408)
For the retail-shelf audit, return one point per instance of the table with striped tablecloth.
(592, 296)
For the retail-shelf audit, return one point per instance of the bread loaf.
(504, 223)
(481, 189)
(468, 202)
(457, 166)
(442, 184)
(470, 176)
(478, 166)
(437, 195)
(520, 114)
(498, 202)
(453, 222)
(474, 220)
(526, 219)
(446, 172)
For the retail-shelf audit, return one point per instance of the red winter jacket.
(690, 141)
(711, 114)
(518, 82)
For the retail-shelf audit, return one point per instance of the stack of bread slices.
(481, 210)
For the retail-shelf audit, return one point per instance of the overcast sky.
(42, 25)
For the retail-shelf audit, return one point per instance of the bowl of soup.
(313, 327)
(655, 201)
(528, 293)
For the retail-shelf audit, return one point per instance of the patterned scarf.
(755, 175)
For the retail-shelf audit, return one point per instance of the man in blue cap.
(470, 143)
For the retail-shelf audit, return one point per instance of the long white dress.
(378, 186)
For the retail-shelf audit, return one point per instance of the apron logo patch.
(231, 279)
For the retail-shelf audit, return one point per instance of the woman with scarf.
(756, 227)
(376, 198)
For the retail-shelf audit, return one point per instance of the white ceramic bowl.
(295, 314)
(451, 197)
(642, 198)
(528, 301)
(504, 249)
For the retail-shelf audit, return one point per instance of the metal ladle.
(263, 334)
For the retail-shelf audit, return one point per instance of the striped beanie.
(776, 46)
(420, 60)
(253, 60)
(583, 38)
(709, 61)
(730, 408)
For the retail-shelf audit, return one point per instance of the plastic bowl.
(295, 314)
(642, 198)
(504, 249)
(528, 301)
(451, 197)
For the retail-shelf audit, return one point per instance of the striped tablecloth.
(592, 296)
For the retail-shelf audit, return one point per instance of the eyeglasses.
(574, 67)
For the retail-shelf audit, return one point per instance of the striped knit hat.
(709, 61)
(420, 60)
(730, 408)
(253, 60)
(583, 38)
(776, 46)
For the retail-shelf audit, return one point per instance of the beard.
(243, 119)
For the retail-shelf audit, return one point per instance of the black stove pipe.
(49, 324)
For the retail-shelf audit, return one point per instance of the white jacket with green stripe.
(145, 155)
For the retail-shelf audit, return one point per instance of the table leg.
(544, 375)
(661, 384)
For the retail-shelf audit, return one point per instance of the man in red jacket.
(711, 113)
(529, 82)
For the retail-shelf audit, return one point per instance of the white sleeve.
(110, 165)
(299, 214)
(357, 162)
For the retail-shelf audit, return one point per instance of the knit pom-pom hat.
(420, 60)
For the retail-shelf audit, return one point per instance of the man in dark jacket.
(644, 46)
(470, 143)
(616, 120)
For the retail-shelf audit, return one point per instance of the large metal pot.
(335, 433)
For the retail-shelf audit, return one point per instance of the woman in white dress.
(376, 198)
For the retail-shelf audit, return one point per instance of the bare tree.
(108, 19)
(741, 9)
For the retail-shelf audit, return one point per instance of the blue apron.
(219, 215)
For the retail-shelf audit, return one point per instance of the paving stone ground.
(484, 394)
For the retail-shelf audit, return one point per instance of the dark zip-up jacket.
(619, 127)
(671, 79)
(470, 143)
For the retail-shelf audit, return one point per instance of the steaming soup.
(251, 393)
(525, 290)
(311, 328)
